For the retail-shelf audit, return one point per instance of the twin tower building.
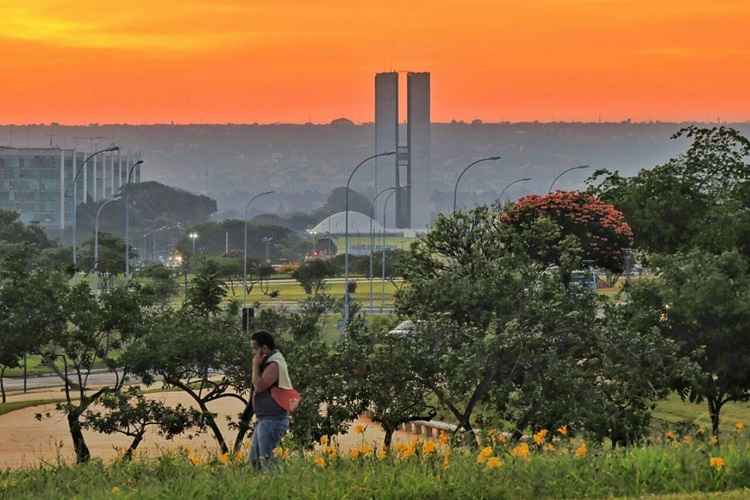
(409, 169)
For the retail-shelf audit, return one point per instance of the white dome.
(359, 223)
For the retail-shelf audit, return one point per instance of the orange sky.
(146, 61)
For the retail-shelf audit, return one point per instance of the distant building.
(386, 129)
(411, 165)
(418, 140)
(37, 182)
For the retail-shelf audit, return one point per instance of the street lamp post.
(382, 264)
(244, 246)
(455, 187)
(75, 198)
(193, 236)
(96, 231)
(579, 167)
(346, 235)
(127, 220)
(372, 217)
(267, 240)
(500, 198)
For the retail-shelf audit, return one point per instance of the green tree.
(129, 413)
(30, 306)
(207, 357)
(671, 207)
(161, 280)
(12, 230)
(702, 302)
(462, 285)
(111, 256)
(207, 291)
(312, 275)
(336, 203)
(586, 363)
(98, 326)
(384, 378)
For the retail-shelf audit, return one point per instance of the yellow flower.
(494, 463)
(670, 436)
(521, 451)
(240, 457)
(193, 458)
(359, 429)
(444, 439)
(223, 458)
(582, 450)
(404, 451)
(563, 430)
(324, 440)
(484, 455)
(354, 453)
(428, 448)
(115, 490)
(717, 463)
(446, 462)
(281, 453)
(382, 454)
(739, 426)
(540, 436)
(320, 461)
(366, 450)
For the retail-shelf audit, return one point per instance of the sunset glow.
(77, 61)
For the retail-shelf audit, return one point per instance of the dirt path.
(26, 442)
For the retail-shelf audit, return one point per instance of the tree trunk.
(215, 429)
(79, 443)
(136, 441)
(470, 437)
(2, 383)
(714, 409)
(244, 426)
(206, 413)
(388, 438)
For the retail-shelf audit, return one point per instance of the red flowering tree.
(599, 227)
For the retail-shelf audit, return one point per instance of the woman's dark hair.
(264, 338)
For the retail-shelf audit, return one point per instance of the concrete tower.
(418, 141)
(411, 166)
(386, 128)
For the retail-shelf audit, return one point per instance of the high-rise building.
(37, 182)
(418, 141)
(386, 128)
(411, 165)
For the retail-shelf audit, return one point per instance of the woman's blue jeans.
(267, 436)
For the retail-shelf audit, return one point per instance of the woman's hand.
(258, 359)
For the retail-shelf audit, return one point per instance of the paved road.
(43, 381)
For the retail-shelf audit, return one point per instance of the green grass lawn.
(398, 242)
(674, 410)
(19, 405)
(293, 292)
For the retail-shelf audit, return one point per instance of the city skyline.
(236, 61)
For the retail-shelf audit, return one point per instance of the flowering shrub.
(599, 226)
